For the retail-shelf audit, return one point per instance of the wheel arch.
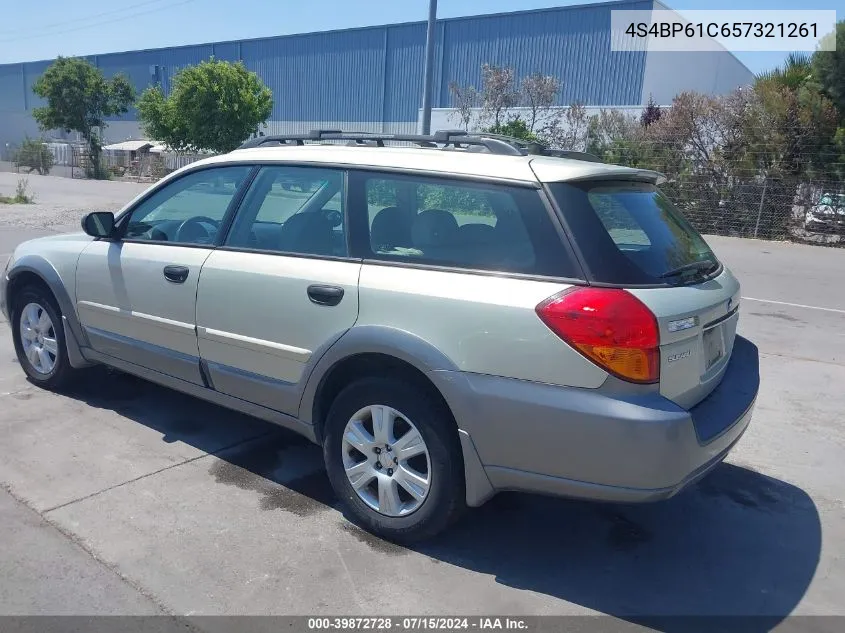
(369, 350)
(36, 270)
(376, 350)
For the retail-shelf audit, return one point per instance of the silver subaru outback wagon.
(448, 316)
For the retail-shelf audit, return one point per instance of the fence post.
(760, 210)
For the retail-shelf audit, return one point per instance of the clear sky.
(42, 29)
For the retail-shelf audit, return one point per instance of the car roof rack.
(540, 149)
(459, 139)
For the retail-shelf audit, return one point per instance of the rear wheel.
(393, 457)
(39, 338)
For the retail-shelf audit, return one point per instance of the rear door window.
(454, 223)
(630, 233)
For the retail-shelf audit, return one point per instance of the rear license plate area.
(714, 346)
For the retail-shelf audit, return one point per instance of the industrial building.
(370, 79)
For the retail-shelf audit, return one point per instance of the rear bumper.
(597, 445)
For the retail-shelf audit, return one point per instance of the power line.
(96, 24)
(88, 17)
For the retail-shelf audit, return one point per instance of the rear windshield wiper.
(702, 266)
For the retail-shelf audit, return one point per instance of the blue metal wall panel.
(405, 58)
(151, 67)
(374, 75)
(337, 75)
(32, 71)
(171, 60)
(11, 88)
(225, 51)
(572, 43)
(139, 67)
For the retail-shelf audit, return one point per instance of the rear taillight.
(609, 326)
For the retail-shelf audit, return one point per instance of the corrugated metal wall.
(372, 77)
(11, 88)
(572, 43)
(338, 75)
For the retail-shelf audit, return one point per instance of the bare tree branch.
(464, 99)
(497, 93)
(566, 129)
(538, 93)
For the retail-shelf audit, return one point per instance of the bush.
(34, 155)
(22, 194)
(515, 127)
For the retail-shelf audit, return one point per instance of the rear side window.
(455, 223)
(630, 233)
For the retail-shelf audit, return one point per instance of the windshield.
(630, 233)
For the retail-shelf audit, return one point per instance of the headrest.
(434, 227)
(307, 233)
(476, 233)
(391, 227)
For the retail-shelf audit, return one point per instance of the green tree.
(79, 98)
(829, 68)
(515, 127)
(215, 105)
(796, 117)
(795, 73)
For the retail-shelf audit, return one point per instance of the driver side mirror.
(99, 224)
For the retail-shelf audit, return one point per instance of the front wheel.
(39, 338)
(393, 456)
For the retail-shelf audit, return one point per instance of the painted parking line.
(795, 305)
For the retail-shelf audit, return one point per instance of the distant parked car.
(447, 323)
(828, 214)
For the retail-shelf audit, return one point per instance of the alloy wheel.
(386, 460)
(38, 338)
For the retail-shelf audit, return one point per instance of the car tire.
(416, 410)
(28, 306)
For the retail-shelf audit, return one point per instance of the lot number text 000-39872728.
(422, 623)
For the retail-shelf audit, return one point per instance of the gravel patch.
(60, 203)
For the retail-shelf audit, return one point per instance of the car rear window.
(630, 233)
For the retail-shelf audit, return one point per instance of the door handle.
(176, 274)
(325, 295)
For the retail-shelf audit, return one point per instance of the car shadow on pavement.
(737, 543)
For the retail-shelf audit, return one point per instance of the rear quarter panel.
(484, 324)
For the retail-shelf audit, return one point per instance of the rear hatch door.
(697, 329)
(629, 235)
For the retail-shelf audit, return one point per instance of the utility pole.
(429, 68)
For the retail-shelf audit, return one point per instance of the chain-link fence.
(740, 198)
(74, 160)
(54, 158)
(773, 208)
(145, 166)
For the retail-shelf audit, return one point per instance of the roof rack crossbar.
(459, 139)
